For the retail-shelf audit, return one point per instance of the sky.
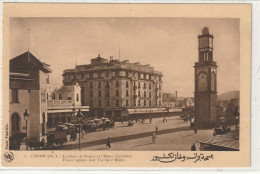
(170, 45)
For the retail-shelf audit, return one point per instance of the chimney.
(176, 94)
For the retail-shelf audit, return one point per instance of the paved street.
(172, 135)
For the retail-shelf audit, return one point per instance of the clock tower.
(205, 83)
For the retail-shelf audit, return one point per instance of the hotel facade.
(111, 87)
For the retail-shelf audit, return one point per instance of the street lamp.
(26, 118)
(79, 117)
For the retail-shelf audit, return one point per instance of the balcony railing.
(59, 103)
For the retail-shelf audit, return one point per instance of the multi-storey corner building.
(28, 83)
(110, 87)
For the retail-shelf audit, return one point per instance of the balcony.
(59, 103)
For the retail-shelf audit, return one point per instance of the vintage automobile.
(56, 138)
(63, 128)
(34, 143)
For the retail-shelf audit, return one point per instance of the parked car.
(56, 138)
(62, 128)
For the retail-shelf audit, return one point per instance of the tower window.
(77, 98)
(15, 96)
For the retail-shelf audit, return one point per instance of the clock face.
(204, 42)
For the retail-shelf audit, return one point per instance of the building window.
(47, 96)
(107, 73)
(99, 84)
(139, 103)
(127, 85)
(82, 76)
(127, 104)
(144, 85)
(150, 102)
(144, 102)
(107, 94)
(15, 96)
(117, 102)
(91, 103)
(117, 84)
(107, 84)
(159, 102)
(159, 94)
(15, 123)
(68, 98)
(127, 93)
(107, 102)
(160, 87)
(144, 93)
(139, 85)
(160, 78)
(150, 94)
(150, 86)
(99, 103)
(139, 94)
(156, 103)
(91, 85)
(91, 93)
(99, 74)
(53, 96)
(134, 102)
(127, 74)
(77, 98)
(117, 93)
(99, 93)
(150, 77)
(139, 75)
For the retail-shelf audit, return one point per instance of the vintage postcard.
(126, 85)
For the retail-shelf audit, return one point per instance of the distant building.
(63, 103)
(28, 84)
(111, 87)
(169, 100)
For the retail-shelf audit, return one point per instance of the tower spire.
(119, 51)
(28, 44)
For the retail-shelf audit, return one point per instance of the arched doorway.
(15, 123)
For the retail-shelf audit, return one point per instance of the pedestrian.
(108, 143)
(193, 147)
(195, 130)
(153, 137)
(82, 133)
(156, 128)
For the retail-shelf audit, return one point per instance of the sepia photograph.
(119, 85)
(124, 84)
